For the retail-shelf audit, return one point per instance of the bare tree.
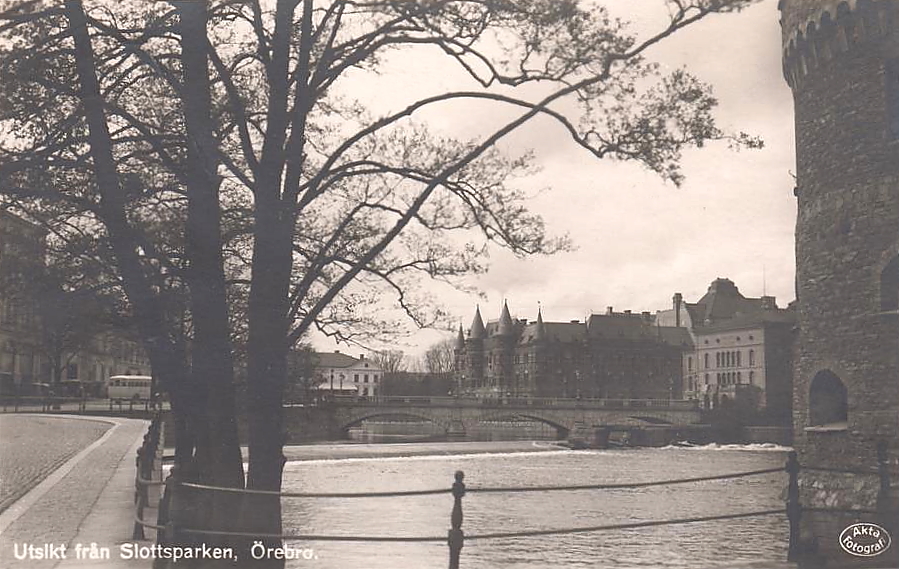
(391, 362)
(439, 360)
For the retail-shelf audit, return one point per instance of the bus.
(130, 387)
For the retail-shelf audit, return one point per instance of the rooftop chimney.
(678, 300)
(609, 310)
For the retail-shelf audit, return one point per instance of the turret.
(505, 327)
(540, 333)
(474, 350)
(477, 330)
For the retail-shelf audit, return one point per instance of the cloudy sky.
(639, 240)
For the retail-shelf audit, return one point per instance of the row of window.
(723, 359)
(724, 378)
(365, 377)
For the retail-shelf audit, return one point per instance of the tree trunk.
(213, 368)
(267, 371)
(148, 313)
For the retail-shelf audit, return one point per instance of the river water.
(695, 545)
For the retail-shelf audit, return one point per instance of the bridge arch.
(651, 420)
(562, 430)
(357, 418)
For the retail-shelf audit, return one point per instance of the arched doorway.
(828, 400)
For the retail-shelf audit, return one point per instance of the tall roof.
(505, 322)
(460, 339)
(722, 301)
(477, 330)
(724, 307)
(540, 328)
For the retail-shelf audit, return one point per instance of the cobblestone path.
(33, 446)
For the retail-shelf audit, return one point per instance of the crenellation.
(817, 42)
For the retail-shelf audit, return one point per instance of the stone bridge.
(457, 416)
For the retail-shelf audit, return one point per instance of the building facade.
(24, 353)
(21, 244)
(339, 373)
(618, 355)
(742, 350)
(841, 60)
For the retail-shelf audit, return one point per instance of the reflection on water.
(683, 546)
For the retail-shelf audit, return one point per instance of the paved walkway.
(88, 500)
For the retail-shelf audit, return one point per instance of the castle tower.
(841, 60)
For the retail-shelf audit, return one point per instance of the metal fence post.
(456, 537)
(884, 505)
(794, 508)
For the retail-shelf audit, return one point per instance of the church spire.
(460, 339)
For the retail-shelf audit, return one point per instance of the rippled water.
(696, 545)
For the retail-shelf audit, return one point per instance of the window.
(717, 359)
(739, 377)
(751, 357)
(739, 363)
(365, 378)
(690, 363)
(706, 363)
(827, 400)
(751, 378)
(356, 378)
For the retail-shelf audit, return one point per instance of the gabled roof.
(334, 359)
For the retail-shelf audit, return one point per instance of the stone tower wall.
(840, 61)
(848, 223)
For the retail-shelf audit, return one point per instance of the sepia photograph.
(478, 284)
